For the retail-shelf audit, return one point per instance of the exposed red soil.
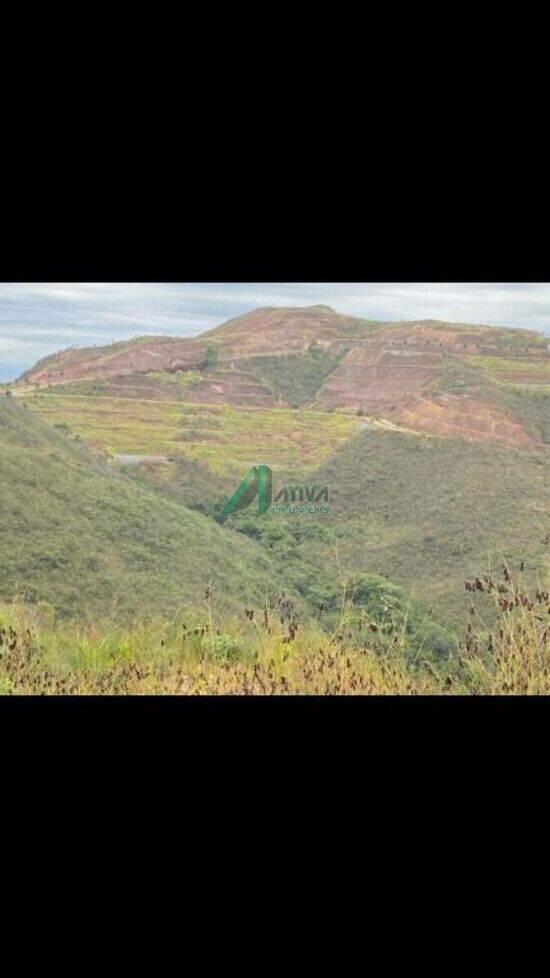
(430, 337)
(464, 417)
(377, 380)
(121, 359)
(386, 369)
(231, 386)
(273, 331)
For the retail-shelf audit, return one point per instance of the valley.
(433, 438)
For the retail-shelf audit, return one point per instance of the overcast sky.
(36, 320)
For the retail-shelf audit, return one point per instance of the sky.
(36, 320)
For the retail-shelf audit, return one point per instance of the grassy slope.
(228, 440)
(261, 655)
(90, 541)
(423, 511)
(428, 512)
(295, 378)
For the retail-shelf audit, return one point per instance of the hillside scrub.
(295, 378)
(268, 651)
(95, 544)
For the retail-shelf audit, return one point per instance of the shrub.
(223, 648)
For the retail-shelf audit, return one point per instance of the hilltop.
(481, 383)
(432, 436)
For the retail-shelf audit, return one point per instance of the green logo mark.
(259, 482)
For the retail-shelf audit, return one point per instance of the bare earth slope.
(443, 379)
(140, 356)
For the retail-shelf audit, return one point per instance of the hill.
(429, 512)
(481, 383)
(41, 656)
(433, 438)
(90, 540)
(82, 536)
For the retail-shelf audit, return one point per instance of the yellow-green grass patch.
(226, 439)
(530, 371)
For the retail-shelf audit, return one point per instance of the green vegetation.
(459, 376)
(295, 378)
(187, 481)
(317, 570)
(212, 355)
(156, 385)
(90, 541)
(516, 342)
(119, 572)
(177, 382)
(531, 406)
(83, 537)
(88, 388)
(521, 365)
(227, 440)
(421, 512)
(418, 511)
(267, 650)
(426, 512)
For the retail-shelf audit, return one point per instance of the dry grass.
(269, 652)
(227, 440)
(514, 655)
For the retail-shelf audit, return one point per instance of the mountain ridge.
(253, 320)
(381, 412)
(435, 377)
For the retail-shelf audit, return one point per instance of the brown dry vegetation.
(268, 652)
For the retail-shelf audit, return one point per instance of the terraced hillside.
(227, 440)
(450, 380)
(433, 438)
(134, 357)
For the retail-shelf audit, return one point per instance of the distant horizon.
(37, 320)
